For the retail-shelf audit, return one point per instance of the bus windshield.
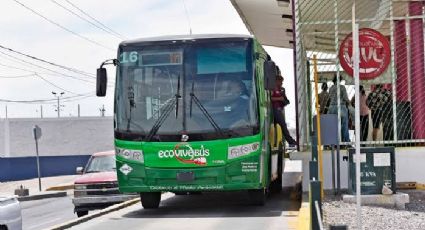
(204, 89)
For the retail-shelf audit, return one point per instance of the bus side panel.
(264, 105)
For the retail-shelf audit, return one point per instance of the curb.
(42, 196)
(102, 212)
(420, 186)
(61, 187)
(304, 215)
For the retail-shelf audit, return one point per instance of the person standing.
(376, 101)
(344, 102)
(364, 114)
(279, 101)
(324, 99)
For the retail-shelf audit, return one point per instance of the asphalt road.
(206, 211)
(41, 214)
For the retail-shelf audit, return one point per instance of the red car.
(97, 188)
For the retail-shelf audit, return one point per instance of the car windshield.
(101, 164)
(205, 89)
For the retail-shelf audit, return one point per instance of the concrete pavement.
(50, 187)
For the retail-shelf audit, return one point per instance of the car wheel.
(3, 227)
(150, 200)
(82, 213)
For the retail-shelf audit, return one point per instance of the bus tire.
(258, 196)
(150, 200)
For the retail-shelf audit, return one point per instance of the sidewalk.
(50, 186)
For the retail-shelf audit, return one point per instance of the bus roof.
(184, 37)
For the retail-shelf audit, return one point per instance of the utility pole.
(58, 96)
(41, 111)
(78, 110)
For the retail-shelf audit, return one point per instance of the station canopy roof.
(264, 20)
(270, 21)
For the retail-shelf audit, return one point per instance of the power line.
(48, 101)
(64, 28)
(40, 73)
(75, 14)
(48, 62)
(20, 76)
(187, 16)
(41, 67)
(94, 19)
(56, 86)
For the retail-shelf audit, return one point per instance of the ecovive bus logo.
(185, 153)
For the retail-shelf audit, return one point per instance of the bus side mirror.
(101, 82)
(270, 72)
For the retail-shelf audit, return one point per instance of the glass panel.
(101, 164)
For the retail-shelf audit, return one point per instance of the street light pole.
(58, 95)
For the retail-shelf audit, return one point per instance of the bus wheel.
(150, 200)
(257, 196)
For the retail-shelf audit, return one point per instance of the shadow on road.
(218, 204)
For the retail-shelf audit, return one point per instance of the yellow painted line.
(420, 186)
(292, 222)
(304, 217)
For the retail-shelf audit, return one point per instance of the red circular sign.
(374, 54)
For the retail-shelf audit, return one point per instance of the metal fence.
(392, 69)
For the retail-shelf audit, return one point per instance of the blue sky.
(27, 32)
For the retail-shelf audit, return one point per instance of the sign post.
(37, 134)
(356, 75)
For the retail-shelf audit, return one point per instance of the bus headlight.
(136, 155)
(242, 150)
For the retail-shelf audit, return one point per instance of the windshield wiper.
(132, 104)
(204, 111)
(177, 96)
(168, 107)
(167, 110)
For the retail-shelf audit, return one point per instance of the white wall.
(409, 164)
(60, 136)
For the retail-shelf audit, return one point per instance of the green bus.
(193, 114)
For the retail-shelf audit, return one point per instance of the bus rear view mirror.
(270, 72)
(101, 82)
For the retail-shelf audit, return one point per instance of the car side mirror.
(270, 73)
(79, 170)
(101, 82)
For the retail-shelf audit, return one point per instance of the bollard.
(21, 191)
(315, 188)
(314, 172)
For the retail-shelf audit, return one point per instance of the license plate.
(185, 176)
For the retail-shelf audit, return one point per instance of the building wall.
(60, 136)
(65, 144)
